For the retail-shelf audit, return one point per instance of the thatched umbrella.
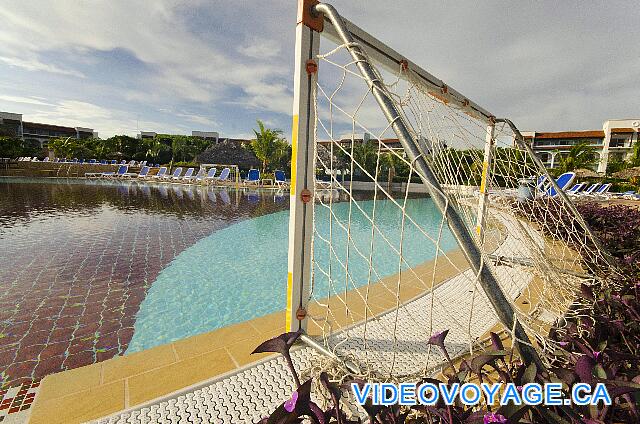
(326, 159)
(628, 173)
(586, 173)
(229, 153)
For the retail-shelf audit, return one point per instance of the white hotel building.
(614, 142)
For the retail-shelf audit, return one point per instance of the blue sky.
(176, 66)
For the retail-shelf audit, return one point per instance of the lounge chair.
(176, 174)
(224, 175)
(93, 174)
(602, 191)
(590, 189)
(253, 177)
(211, 174)
(563, 181)
(187, 175)
(122, 169)
(46, 159)
(162, 172)
(143, 173)
(576, 189)
(624, 195)
(93, 161)
(280, 179)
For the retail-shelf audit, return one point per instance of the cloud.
(548, 65)
(180, 63)
(35, 65)
(33, 100)
(203, 120)
(261, 48)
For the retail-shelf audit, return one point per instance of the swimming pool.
(239, 272)
(94, 269)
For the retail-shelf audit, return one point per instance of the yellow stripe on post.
(289, 300)
(483, 183)
(294, 153)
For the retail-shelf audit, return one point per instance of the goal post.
(377, 264)
(302, 170)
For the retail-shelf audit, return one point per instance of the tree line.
(268, 148)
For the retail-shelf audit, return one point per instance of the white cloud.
(181, 64)
(33, 100)
(35, 65)
(203, 120)
(261, 48)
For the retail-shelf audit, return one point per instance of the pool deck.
(100, 389)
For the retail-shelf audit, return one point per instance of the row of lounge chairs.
(88, 161)
(201, 177)
(581, 190)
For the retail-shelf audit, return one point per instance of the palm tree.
(268, 146)
(580, 156)
(366, 154)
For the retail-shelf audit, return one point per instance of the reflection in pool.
(79, 256)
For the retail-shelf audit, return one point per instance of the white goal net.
(388, 269)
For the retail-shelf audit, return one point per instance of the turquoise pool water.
(239, 272)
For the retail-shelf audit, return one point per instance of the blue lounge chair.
(210, 176)
(576, 189)
(253, 177)
(627, 194)
(280, 178)
(224, 175)
(186, 175)
(143, 173)
(199, 176)
(590, 189)
(162, 172)
(602, 191)
(563, 181)
(176, 174)
(122, 169)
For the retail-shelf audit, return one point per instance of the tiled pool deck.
(78, 259)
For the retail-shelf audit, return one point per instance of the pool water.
(239, 272)
(78, 258)
(94, 269)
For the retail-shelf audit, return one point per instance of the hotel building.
(613, 143)
(38, 132)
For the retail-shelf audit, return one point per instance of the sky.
(174, 66)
